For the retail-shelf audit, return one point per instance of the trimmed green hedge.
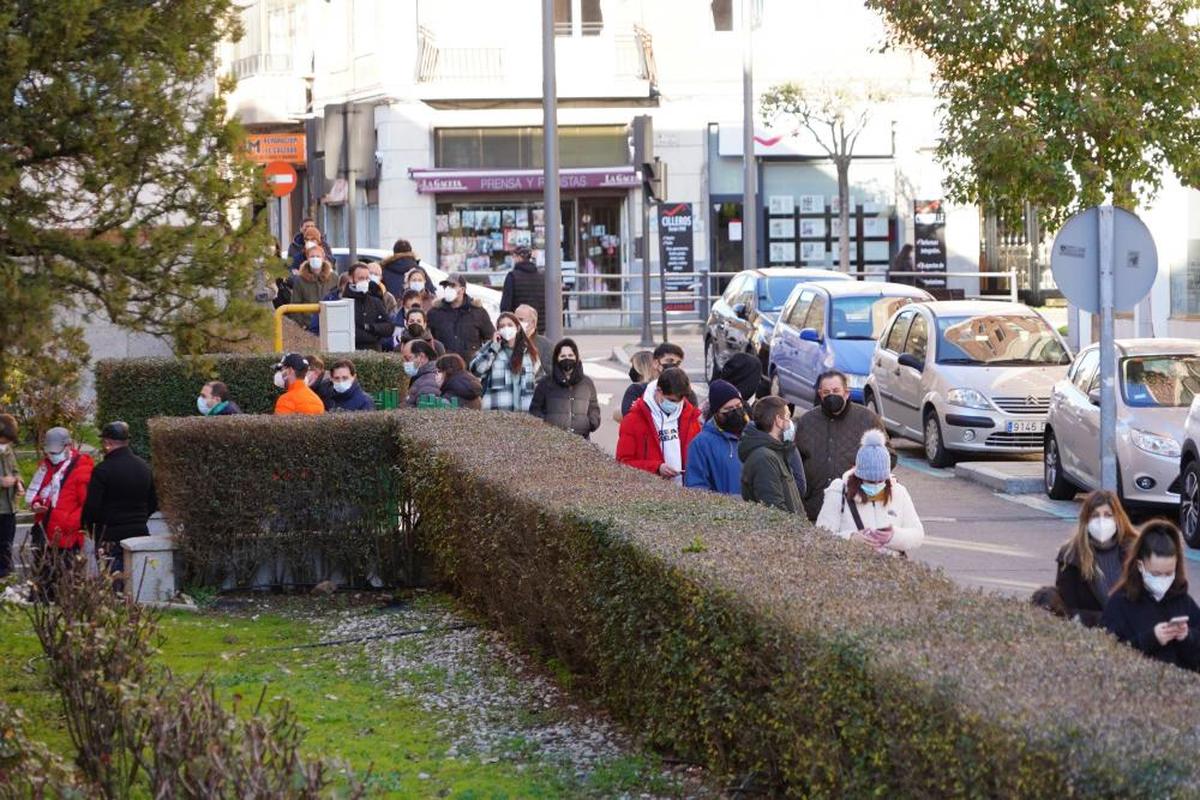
(258, 499)
(739, 636)
(136, 389)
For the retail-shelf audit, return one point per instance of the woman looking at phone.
(868, 506)
(1150, 607)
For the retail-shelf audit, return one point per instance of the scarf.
(667, 426)
(46, 491)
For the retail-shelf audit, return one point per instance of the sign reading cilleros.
(263, 148)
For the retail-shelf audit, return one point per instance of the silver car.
(966, 376)
(1156, 380)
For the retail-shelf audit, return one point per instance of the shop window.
(722, 12)
(578, 18)
(1185, 283)
(480, 236)
(521, 148)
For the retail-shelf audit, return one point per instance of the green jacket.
(766, 477)
(8, 466)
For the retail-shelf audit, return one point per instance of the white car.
(966, 376)
(488, 297)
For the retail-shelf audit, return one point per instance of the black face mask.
(733, 420)
(833, 404)
(567, 365)
(415, 329)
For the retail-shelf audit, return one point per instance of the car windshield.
(1160, 381)
(773, 292)
(863, 317)
(998, 340)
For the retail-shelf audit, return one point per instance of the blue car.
(831, 325)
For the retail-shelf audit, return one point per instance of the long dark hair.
(1080, 549)
(521, 345)
(1158, 537)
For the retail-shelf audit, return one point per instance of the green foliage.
(122, 177)
(137, 389)
(1062, 104)
(285, 500)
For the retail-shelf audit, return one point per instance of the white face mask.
(417, 286)
(1102, 529)
(314, 264)
(362, 286)
(789, 433)
(279, 382)
(448, 294)
(1156, 585)
(375, 279)
(57, 458)
(529, 328)
(341, 387)
(202, 405)
(508, 333)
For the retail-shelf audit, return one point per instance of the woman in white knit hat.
(868, 505)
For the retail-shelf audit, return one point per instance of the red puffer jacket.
(62, 523)
(638, 445)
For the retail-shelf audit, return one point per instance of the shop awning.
(465, 181)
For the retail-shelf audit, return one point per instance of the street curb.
(1008, 477)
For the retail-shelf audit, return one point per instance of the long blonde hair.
(1080, 549)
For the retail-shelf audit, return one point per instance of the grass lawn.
(350, 709)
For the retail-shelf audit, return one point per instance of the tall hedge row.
(137, 389)
(739, 636)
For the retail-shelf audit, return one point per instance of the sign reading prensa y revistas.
(929, 252)
(676, 224)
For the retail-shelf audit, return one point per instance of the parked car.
(488, 297)
(831, 325)
(1157, 379)
(966, 376)
(743, 317)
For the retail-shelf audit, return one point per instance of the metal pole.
(351, 179)
(647, 333)
(750, 172)
(554, 316)
(1108, 397)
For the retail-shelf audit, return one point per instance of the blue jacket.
(354, 400)
(712, 461)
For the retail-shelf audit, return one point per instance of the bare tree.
(836, 116)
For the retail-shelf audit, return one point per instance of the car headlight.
(967, 398)
(856, 381)
(1153, 443)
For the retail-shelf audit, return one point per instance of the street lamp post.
(750, 177)
(550, 197)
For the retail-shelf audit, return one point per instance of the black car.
(743, 318)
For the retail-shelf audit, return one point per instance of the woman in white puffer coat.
(868, 505)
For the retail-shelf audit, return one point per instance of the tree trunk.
(843, 181)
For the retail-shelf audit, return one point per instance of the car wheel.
(872, 402)
(1189, 504)
(935, 447)
(710, 361)
(1056, 483)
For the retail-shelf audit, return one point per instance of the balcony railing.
(262, 64)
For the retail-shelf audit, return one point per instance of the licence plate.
(1027, 426)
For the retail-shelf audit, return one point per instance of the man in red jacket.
(56, 496)
(656, 432)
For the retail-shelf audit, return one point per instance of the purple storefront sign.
(456, 181)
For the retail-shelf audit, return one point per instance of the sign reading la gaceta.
(458, 181)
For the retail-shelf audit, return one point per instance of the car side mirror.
(810, 335)
(1094, 397)
(740, 311)
(911, 361)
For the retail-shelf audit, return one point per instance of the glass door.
(599, 236)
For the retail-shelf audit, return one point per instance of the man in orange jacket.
(656, 432)
(297, 398)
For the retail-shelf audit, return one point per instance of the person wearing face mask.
(712, 458)
(421, 369)
(317, 277)
(120, 497)
(567, 398)
(666, 356)
(506, 367)
(1150, 608)
(56, 496)
(1090, 564)
(658, 430)
(528, 317)
(764, 451)
(867, 505)
(457, 383)
(348, 395)
(642, 370)
(459, 322)
(415, 327)
(390, 303)
(214, 401)
(318, 380)
(398, 270)
(828, 437)
(297, 397)
(299, 248)
(525, 284)
(371, 321)
(10, 489)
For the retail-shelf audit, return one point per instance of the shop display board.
(806, 233)
(929, 233)
(676, 246)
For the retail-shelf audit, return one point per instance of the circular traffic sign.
(1075, 260)
(281, 178)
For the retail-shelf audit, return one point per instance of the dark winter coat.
(371, 322)
(712, 461)
(525, 284)
(323, 387)
(567, 402)
(120, 497)
(766, 477)
(1083, 598)
(423, 383)
(1133, 621)
(466, 388)
(829, 445)
(353, 400)
(312, 287)
(395, 267)
(462, 330)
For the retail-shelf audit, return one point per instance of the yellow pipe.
(291, 308)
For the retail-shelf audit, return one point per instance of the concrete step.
(1009, 477)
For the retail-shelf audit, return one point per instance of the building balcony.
(262, 64)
